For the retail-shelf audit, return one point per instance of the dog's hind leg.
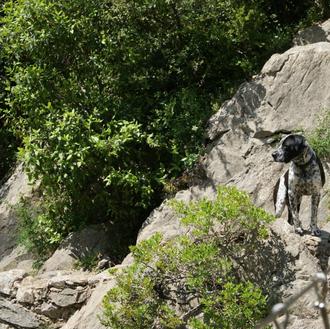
(314, 209)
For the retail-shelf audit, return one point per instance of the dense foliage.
(319, 138)
(108, 99)
(194, 279)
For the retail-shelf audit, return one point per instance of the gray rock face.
(289, 94)
(93, 240)
(17, 316)
(30, 301)
(9, 281)
(11, 255)
(88, 316)
(313, 34)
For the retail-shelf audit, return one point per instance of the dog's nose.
(274, 155)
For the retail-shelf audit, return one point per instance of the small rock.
(65, 298)
(103, 264)
(8, 280)
(50, 310)
(312, 243)
(58, 283)
(25, 295)
(82, 281)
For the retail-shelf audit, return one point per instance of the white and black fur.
(305, 176)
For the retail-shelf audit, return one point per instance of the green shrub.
(36, 232)
(88, 261)
(319, 138)
(194, 279)
(8, 151)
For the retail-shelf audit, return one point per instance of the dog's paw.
(278, 214)
(299, 230)
(315, 231)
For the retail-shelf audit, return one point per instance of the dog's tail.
(280, 195)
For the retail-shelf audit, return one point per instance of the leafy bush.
(87, 262)
(8, 141)
(109, 98)
(36, 232)
(194, 279)
(8, 150)
(319, 138)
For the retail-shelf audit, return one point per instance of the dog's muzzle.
(275, 155)
(279, 156)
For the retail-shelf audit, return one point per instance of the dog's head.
(290, 147)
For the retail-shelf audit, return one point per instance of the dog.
(305, 176)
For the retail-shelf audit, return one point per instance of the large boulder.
(93, 241)
(289, 95)
(11, 254)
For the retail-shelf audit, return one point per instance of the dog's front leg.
(314, 209)
(294, 204)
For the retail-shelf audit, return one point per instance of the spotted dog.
(305, 176)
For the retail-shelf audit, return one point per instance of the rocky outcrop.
(47, 299)
(17, 316)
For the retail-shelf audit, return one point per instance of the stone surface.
(9, 279)
(289, 94)
(93, 240)
(313, 34)
(12, 255)
(17, 316)
(51, 296)
(88, 316)
(25, 295)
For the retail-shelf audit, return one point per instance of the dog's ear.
(300, 140)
